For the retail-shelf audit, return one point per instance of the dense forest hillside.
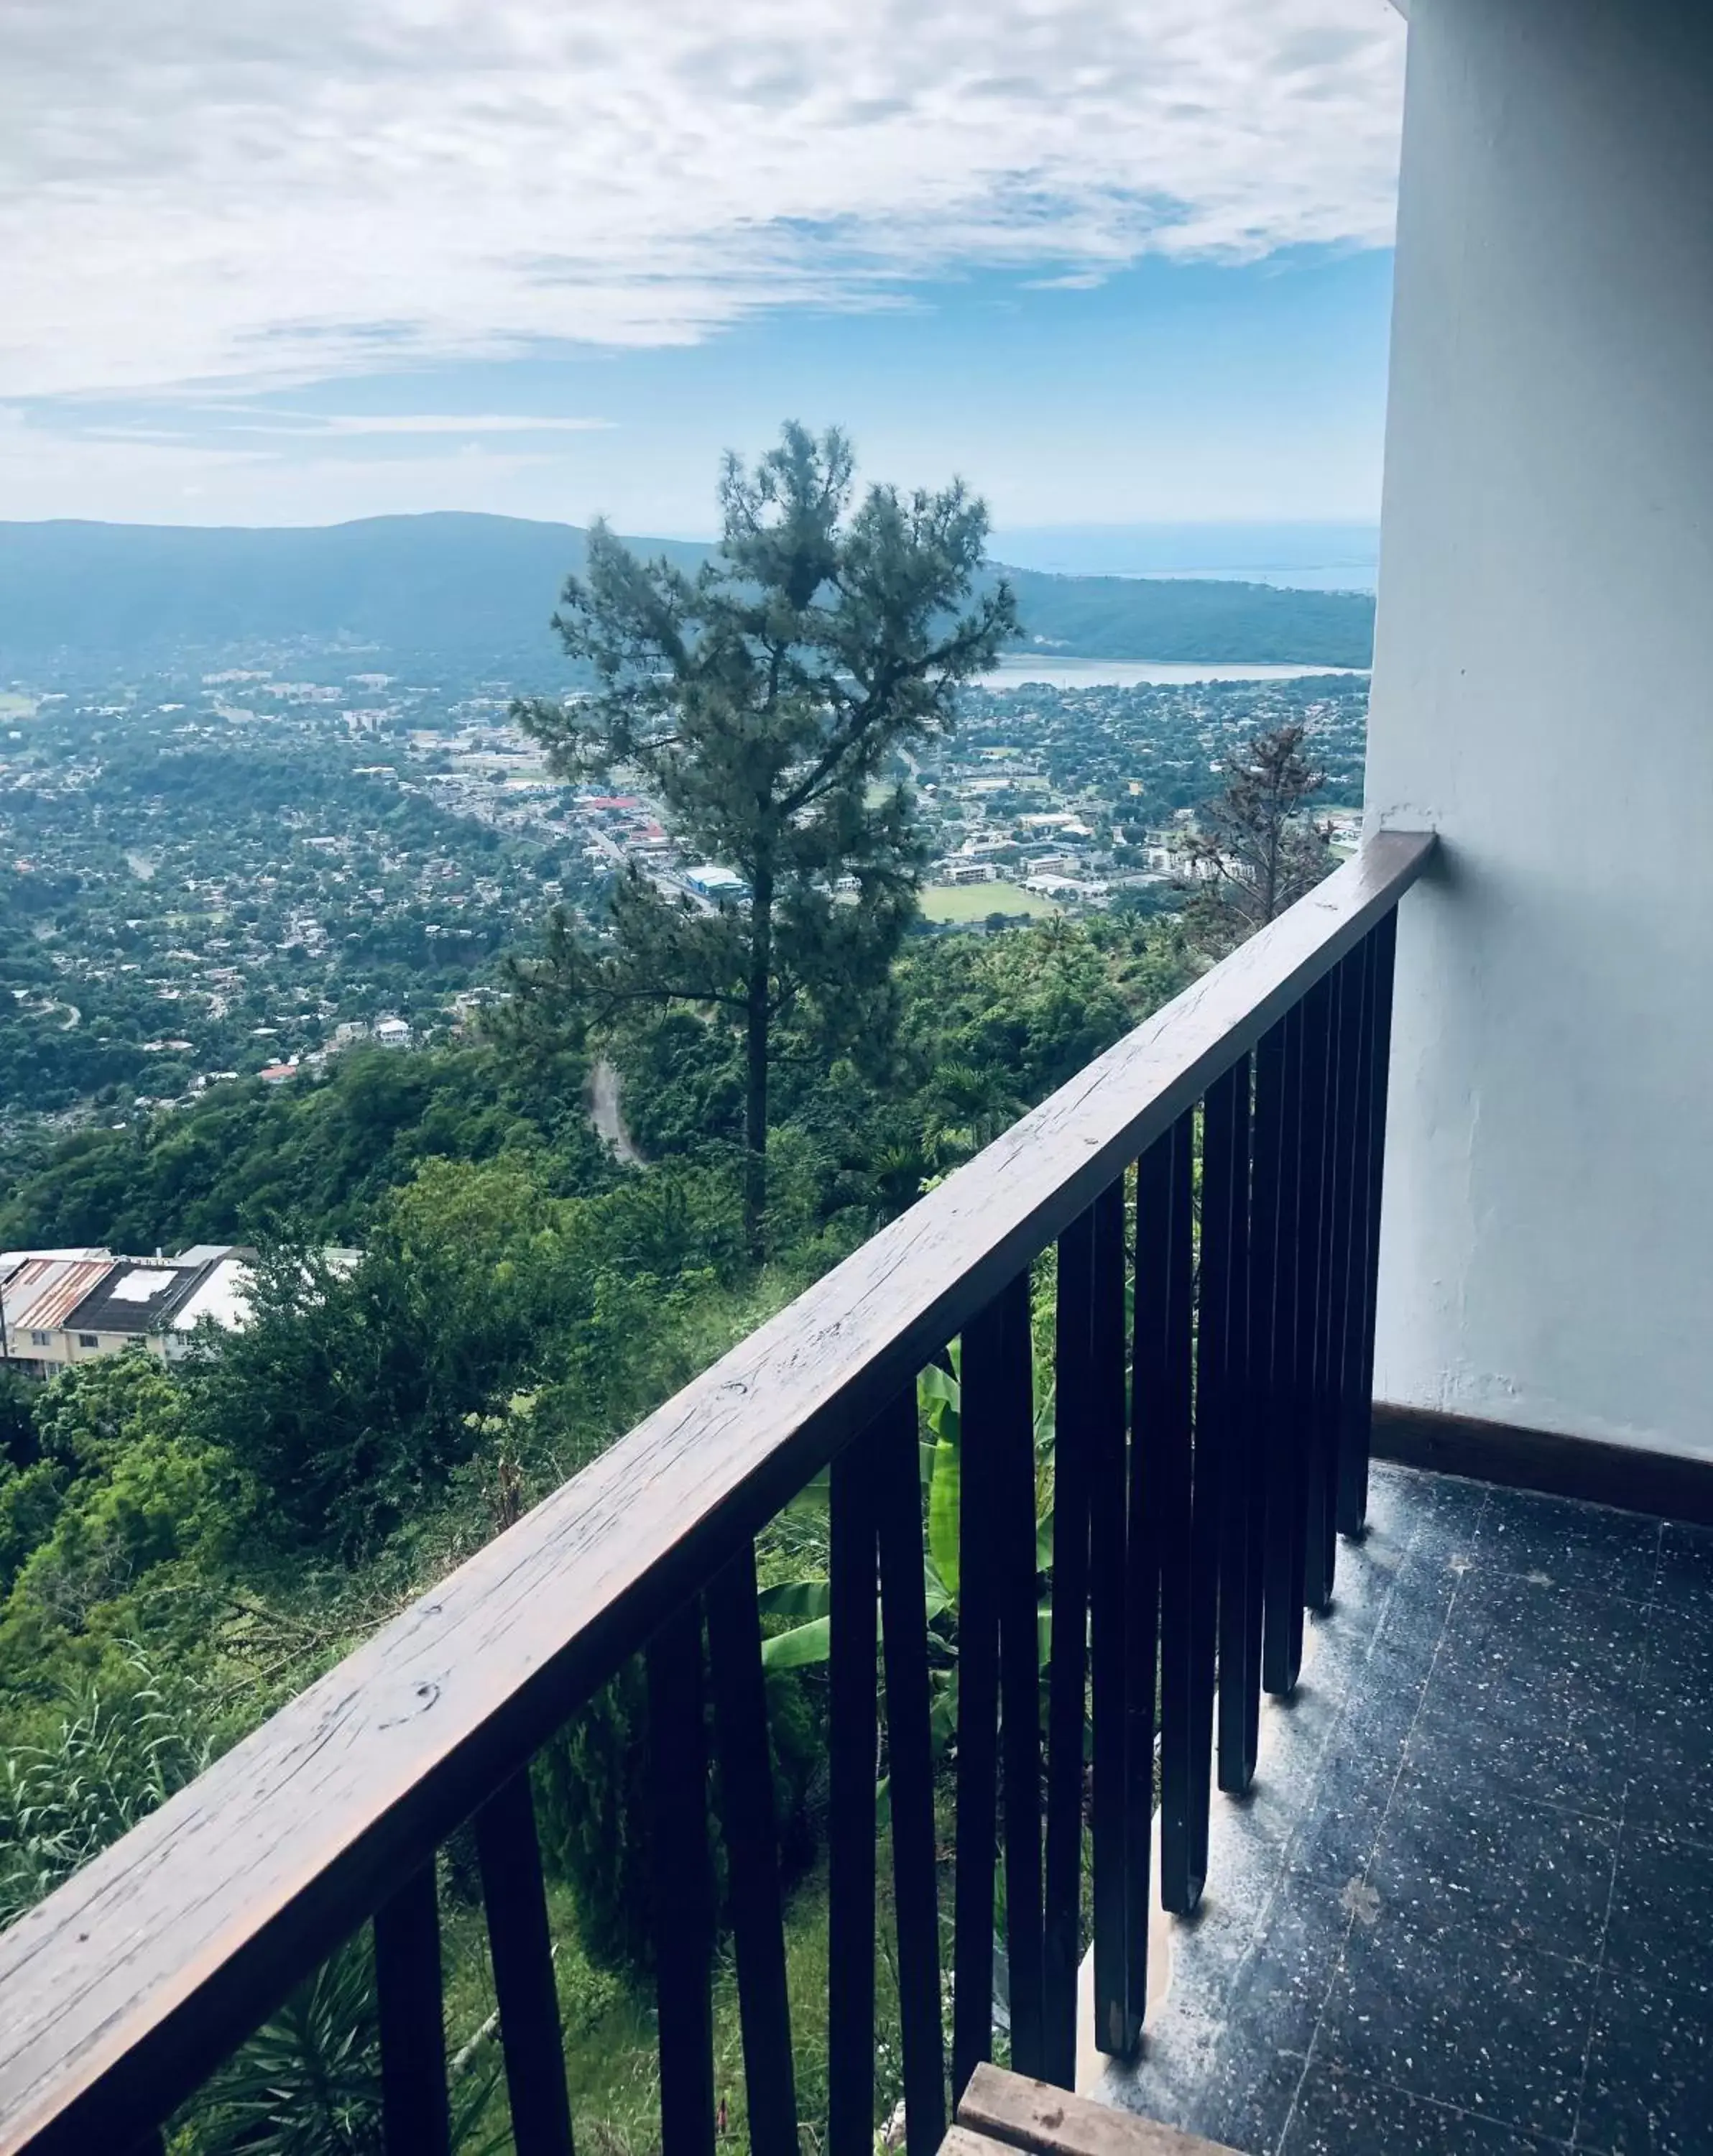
(183, 1546)
(481, 589)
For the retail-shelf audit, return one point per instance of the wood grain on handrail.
(119, 1992)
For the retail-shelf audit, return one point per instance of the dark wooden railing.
(1209, 1448)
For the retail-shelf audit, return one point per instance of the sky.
(1113, 262)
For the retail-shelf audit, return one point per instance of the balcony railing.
(1212, 1184)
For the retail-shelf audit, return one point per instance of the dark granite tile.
(1559, 1541)
(1297, 1732)
(1528, 1874)
(1276, 1995)
(1345, 2114)
(1685, 1580)
(1337, 1828)
(1669, 1760)
(1662, 1913)
(1446, 1515)
(1395, 1494)
(1545, 1633)
(1533, 1745)
(1415, 1895)
(1407, 1641)
(1533, 1690)
(1454, 2016)
(1649, 2088)
(1677, 1651)
(1238, 2094)
(1247, 2096)
(1250, 1837)
(1169, 2078)
(1224, 2049)
(1336, 1836)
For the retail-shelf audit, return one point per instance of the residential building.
(708, 880)
(65, 1306)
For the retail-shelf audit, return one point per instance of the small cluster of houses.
(69, 1306)
(385, 1033)
(57, 1308)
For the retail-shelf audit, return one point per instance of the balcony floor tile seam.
(1620, 1838)
(1585, 1591)
(1542, 2141)
(1296, 2094)
(1338, 1686)
(1354, 1895)
(1581, 1811)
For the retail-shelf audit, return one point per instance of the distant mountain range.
(478, 591)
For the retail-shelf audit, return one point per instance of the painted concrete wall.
(1543, 696)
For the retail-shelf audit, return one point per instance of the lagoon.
(1014, 673)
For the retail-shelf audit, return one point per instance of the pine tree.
(759, 703)
(1255, 851)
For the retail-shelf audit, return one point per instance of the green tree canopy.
(759, 702)
(1256, 849)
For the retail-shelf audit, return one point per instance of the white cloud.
(307, 428)
(438, 423)
(239, 191)
(136, 478)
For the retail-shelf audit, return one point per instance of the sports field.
(974, 901)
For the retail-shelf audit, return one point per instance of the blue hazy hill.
(478, 590)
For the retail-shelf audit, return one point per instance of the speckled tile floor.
(1469, 1905)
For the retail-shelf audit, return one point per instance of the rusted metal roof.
(44, 1292)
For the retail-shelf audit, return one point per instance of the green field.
(974, 901)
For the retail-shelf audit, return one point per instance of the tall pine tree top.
(758, 703)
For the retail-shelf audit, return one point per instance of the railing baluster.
(1163, 1436)
(854, 1716)
(683, 1883)
(1121, 1830)
(415, 2111)
(1068, 1676)
(1141, 1606)
(1353, 1452)
(1209, 1471)
(751, 1835)
(977, 1699)
(1222, 1423)
(515, 1896)
(1351, 1501)
(1020, 1679)
(1339, 1342)
(910, 1758)
(1272, 1305)
(1314, 1017)
(1322, 1244)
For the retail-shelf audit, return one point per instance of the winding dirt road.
(606, 1115)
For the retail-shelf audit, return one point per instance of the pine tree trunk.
(758, 1015)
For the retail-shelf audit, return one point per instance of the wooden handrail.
(126, 1987)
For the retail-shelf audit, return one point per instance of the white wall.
(1543, 696)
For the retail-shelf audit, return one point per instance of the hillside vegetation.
(183, 1548)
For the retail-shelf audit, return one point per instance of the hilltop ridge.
(480, 589)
